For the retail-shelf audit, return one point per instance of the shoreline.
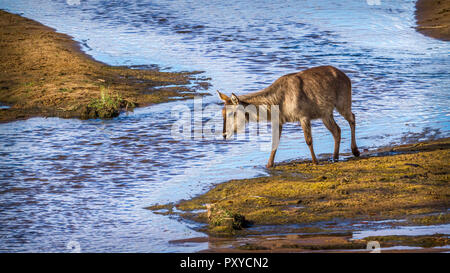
(405, 185)
(433, 18)
(45, 73)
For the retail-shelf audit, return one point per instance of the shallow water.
(89, 181)
(404, 231)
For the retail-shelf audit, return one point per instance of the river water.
(65, 180)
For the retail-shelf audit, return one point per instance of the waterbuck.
(300, 97)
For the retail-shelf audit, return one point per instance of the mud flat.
(433, 18)
(320, 204)
(44, 73)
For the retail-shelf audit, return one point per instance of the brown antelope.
(300, 97)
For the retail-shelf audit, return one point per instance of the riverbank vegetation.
(402, 182)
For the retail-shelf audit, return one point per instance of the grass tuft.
(108, 105)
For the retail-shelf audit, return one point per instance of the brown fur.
(304, 96)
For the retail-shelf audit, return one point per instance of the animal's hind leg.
(350, 117)
(344, 107)
(306, 126)
(331, 125)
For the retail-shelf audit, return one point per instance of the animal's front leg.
(306, 126)
(271, 159)
(276, 135)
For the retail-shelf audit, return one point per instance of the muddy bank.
(322, 243)
(433, 18)
(408, 183)
(44, 73)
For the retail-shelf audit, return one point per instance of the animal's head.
(234, 114)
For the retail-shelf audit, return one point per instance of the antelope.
(301, 97)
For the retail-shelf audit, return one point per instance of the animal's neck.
(263, 97)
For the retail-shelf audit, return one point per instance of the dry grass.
(44, 73)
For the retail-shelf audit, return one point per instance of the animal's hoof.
(356, 152)
(269, 166)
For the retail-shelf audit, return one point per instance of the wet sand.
(433, 18)
(44, 73)
(407, 183)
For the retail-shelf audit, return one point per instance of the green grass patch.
(108, 105)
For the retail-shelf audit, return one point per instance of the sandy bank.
(408, 182)
(44, 73)
(433, 18)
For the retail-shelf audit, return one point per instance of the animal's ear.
(234, 99)
(222, 96)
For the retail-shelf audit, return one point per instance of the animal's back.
(324, 83)
(315, 92)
